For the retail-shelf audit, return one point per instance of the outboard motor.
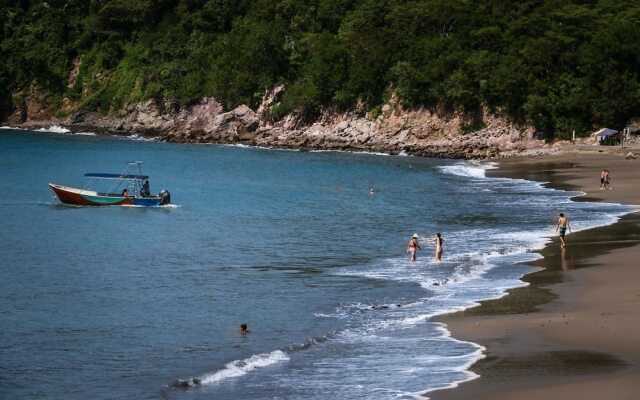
(165, 197)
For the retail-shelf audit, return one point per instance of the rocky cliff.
(395, 130)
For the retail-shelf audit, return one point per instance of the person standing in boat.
(145, 192)
(125, 192)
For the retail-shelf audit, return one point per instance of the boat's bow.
(71, 195)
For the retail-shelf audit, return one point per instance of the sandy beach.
(574, 332)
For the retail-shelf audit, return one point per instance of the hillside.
(555, 65)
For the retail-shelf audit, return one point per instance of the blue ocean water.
(119, 302)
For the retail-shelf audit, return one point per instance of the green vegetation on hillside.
(561, 65)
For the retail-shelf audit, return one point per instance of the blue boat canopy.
(115, 176)
(606, 132)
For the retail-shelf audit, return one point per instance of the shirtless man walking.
(607, 180)
(563, 224)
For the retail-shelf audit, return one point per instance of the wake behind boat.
(125, 189)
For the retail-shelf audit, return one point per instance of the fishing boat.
(125, 189)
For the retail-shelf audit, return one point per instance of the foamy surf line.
(478, 169)
(233, 369)
(238, 368)
(54, 129)
(469, 169)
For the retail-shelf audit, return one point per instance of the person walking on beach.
(438, 240)
(603, 175)
(563, 224)
(413, 247)
(607, 180)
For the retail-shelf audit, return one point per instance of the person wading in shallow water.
(438, 240)
(563, 224)
(413, 247)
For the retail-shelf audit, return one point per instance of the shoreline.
(436, 149)
(574, 330)
(419, 132)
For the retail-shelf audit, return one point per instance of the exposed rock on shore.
(418, 132)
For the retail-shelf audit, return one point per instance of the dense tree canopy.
(561, 65)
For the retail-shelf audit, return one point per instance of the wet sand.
(574, 332)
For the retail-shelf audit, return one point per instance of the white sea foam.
(136, 136)
(477, 355)
(322, 315)
(467, 169)
(384, 338)
(374, 153)
(240, 145)
(54, 129)
(85, 133)
(170, 206)
(413, 321)
(242, 367)
(521, 241)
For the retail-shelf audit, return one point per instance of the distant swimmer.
(413, 247)
(438, 240)
(372, 191)
(243, 329)
(563, 224)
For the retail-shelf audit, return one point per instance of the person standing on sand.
(563, 224)
(438, 240)
(603, 175)
(607, 180)
(413, 247)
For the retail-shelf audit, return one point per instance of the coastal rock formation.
(420, 132)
